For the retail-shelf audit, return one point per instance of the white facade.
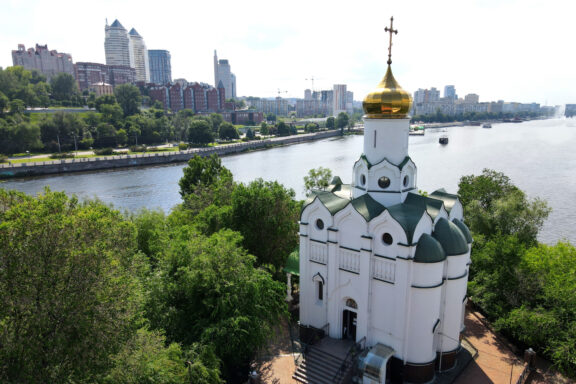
(139, 56)
(380, 262)
(223, 73)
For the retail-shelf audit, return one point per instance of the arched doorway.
(349, 320)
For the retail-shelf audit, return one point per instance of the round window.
(319, 224)
(406, 179)
(363, 180)
(383, 182)
(387, 238)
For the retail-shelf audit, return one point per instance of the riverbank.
(122, 161)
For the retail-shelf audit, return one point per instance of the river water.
(539, 157)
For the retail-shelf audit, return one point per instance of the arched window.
(319, 282)
(320, 290)
(351, 303)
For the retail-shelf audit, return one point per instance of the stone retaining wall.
(121, 161)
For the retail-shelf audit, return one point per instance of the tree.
(3, 103)
(330, 122)
(205, 182)
(266, 215)
(208, 291)
(342, 120)
(271, 117)
(493, 206)
(228, 131)
(283, 129)
(145, 359)
(200, 132)
(63, 86)
(104, 99)
(129, 98)
(318, 178)
(216, 120)
(69, 292)
(264, 128)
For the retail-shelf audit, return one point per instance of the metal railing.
(348, 362)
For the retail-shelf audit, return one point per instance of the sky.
(511, 50)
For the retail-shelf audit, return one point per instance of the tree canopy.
(317, 178)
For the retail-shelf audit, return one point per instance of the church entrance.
(349, 325)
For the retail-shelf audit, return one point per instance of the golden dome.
(388, 100)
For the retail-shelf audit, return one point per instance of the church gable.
(452, 203)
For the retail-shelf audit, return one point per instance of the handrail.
(352, 353)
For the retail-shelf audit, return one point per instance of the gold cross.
(391, 30)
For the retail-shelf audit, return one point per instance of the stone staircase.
(319, 367)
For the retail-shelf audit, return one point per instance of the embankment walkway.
(121, 161)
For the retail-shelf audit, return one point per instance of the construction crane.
(279, 92)
(311, 79)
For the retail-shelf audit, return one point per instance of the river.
(539, 156)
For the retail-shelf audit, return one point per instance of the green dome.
(429, 250)
(464, 229)
(450, 237)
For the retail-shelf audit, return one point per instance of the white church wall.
(388, 140)
(390, 195)
(424, 314)
(427, 274)
(442, 214)
(382, 315)
(317, 307)
(360, 173)
(351, 226)
(452, 314)
(380, 225)
(456, 212)
(425, 225)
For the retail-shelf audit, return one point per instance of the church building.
(380, 262)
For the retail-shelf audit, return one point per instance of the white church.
(380, 261)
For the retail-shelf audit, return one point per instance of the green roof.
(464, 229)
(429, 250)
(367, 207)
(399, 166)
(450, 237)
(448, 198)
(431, 205)
(331, 201)
(408, 216)
(293, 263)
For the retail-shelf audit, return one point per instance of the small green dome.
(464, 229)
(450, 237)
(429, 250)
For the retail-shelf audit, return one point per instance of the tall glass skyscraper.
(139, 56)
(116, 45)
(160, 67)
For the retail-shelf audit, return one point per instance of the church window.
(362, 180)
(387, 239)
(319, 224)
(374, 139)
(351, 303)
(383, 182)
(406, 179)
(320, 291)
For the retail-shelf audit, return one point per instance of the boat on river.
(443, 140)
(486, 125)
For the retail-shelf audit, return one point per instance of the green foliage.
(64, 86)
(342, 120)
(266, 215)
(104, 100)
(205, 182)
(152, 234)
(283, 129)
(129, 98)
(200, 132)
(104, 151)
(317, 178)
(228, 131)
(207, 290)
(264, 128)
(69, 295)
(145, 359)
(330, 122)
(250, 134)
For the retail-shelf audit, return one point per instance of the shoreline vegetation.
(80, 164)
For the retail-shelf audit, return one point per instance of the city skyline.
(500, 50)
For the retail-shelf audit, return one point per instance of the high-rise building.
(88, 74)
(160, 66)
(339, 99)
(47, 62)
(450, 92)
(117, 45)
(139, 56)
(223, 73)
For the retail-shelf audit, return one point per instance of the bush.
(63, 155)
(138, 148)
(182, 146)
(245, 139)
(3, 158)
(104, 151)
